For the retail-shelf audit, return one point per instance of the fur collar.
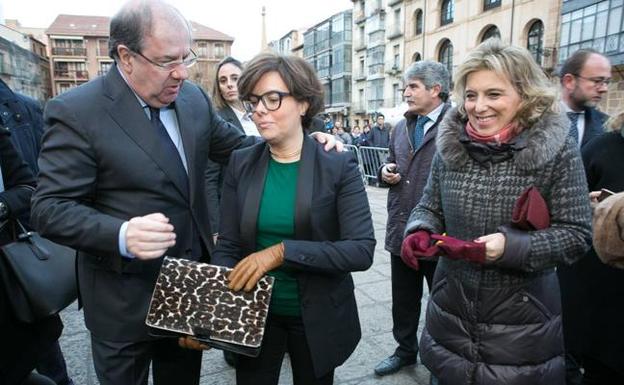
(543, 141)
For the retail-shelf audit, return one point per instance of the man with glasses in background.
(122, 181)
(584, 77)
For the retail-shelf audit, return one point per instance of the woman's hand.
(248, 271)
(593, 199)
(494, 245)
(189, 342)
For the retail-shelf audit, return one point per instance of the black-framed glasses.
(169, 66)
(598, 82)
(271, 100)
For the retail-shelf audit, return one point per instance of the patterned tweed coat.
(500, 323)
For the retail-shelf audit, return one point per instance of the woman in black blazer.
(230, 108)
(300, 214)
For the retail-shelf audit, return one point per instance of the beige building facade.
(378, 57)
(446, 30)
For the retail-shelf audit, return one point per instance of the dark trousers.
(52, 365)
(573, 303)
(127, 363)
(597, 373)
(282, 334)
(407, 289)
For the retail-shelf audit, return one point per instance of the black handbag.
(39, 276)
(192, 298)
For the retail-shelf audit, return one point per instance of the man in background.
(411, 151)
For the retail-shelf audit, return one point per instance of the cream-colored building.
(446, 30)
(378, 56)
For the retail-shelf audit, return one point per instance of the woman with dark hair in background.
(299, 214)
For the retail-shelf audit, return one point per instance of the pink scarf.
(504, 135)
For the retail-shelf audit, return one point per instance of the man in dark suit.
(584, 78)
(122, 181)
(412, 146)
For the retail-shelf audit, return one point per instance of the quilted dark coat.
(500, 323)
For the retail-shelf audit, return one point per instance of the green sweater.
(276, 222)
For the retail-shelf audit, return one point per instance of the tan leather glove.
(189, 342)
(248, 271)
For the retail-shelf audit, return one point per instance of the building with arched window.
(451, 28)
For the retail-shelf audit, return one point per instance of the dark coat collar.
(543, 140)
(259, 158)
(411, 119)
(230, 116)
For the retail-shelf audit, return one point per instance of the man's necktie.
(169, 150)
(419, 131)
(574, 117)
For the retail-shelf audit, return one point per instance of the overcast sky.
(240, 19)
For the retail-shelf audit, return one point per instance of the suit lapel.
(433, 130)
(305, 187)
(187, 125)
(253, 195)
(127, 112)
(230, 116)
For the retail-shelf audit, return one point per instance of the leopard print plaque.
(190, 295)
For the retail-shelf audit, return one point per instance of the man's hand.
(389, 174)
(494, 245)
(248, 271)
(329, 141)
(189, 342)
(150, 236)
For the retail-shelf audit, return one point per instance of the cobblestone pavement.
(373, 293)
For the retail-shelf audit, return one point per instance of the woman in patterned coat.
(498, 320)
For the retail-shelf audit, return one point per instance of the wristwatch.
(4, 211)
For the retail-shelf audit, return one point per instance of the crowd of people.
(491, 202)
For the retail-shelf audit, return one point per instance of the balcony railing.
(394, 67)
(71, 74)
(394, 31)
(359, 44)
(360, 75)
(67, 51)
(359, 107)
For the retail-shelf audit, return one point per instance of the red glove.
(417, 245)
(455, 248)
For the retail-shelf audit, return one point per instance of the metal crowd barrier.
(369, 160)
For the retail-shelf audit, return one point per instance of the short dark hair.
(217, 98)
(575, 63)
(133, 23)
(299, 77)
(380, 115)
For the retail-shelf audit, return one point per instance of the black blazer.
(214, 173)
(333, 237)
(100, 166)
(594, 124)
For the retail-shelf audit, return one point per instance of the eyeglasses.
(598, 82)
(271, 100)
(169, 66)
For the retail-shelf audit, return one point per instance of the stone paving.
(373, 293)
